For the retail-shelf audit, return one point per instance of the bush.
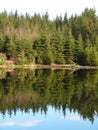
(2, 59)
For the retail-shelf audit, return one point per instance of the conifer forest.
(39, 40)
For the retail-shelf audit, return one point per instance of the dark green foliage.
(43, 51)
(92, 56)
(37, 39)
(57, 43)
(79, 51)
(69, 48)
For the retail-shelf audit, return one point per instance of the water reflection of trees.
(36, 89)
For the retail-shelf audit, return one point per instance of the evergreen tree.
(43, 50)
(92, 56)
(47, 52)
(57, 44)
(79, 51)
(88, 24)
(69, 48)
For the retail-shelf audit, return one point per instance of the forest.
(36, 39)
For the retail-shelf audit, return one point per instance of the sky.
(53, 120)
(54, 7)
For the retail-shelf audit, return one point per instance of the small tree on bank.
(2, 59)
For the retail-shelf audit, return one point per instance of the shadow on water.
(62, 89)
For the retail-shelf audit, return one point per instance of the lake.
(48, 99)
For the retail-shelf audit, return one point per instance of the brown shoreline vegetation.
(10, 66)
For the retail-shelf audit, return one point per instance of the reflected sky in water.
(53, 120)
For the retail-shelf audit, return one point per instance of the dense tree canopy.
(37, 39)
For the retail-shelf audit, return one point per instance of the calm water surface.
(48, 99)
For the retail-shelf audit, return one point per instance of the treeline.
(37, 89)
(37, 39)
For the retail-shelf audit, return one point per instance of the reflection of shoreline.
(36, 89)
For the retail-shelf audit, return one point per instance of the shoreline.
(57, 66)
(52, 66)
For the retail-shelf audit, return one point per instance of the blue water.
(52, 120)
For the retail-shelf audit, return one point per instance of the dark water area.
(49, 99)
